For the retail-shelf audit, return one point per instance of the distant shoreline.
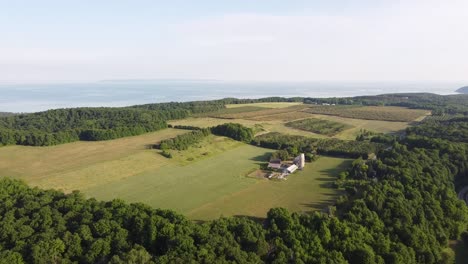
(117, 93)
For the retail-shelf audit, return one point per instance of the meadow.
(305, 191)
(319, 126)
(81, 165)
(205, 181)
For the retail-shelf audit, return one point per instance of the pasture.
(319, 126)
(305, 191)
(203, 182)
(81, 165)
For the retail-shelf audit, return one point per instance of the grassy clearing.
(358, 124)
(234, 110)
(80, 165)
(385, 113)
(265, 105)
(185, 187)
(305, 191)
(319, 126)
(266, 112)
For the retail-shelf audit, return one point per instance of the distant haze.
(244, 40)
(38, 97)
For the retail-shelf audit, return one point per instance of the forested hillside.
(399, 208)
(67, 125)
(330, 146)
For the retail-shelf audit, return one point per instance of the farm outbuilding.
(275, 164)
(291, 169)
(300, 161)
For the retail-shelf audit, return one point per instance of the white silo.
(302, 161)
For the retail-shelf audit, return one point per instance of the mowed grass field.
(204, 182)
(305, 191)
(81, 165)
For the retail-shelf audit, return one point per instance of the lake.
(43, 96)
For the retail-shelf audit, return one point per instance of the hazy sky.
(269, 40)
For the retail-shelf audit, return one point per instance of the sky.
(238, 40)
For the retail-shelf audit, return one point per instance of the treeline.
(319, 126)
(6, 114)
(455, 129)
(234, 131)
(438, 104)
(186, 107)
(332, 146)
(184, 127)
(263, 100)
(371, 136)
(184, 141)
(67, 125)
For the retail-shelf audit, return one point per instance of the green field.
(215, 186)
(81, 165)
(319, 126)
(203, 182)
(305, 191)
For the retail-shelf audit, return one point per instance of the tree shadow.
(151, 146)
(261, 158)
(252, 218)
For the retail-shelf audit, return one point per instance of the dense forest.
(455, 129)
(67, 125)
(319, 126)
(400, 208)
(184, 141)
(330, 146)
(234, 131)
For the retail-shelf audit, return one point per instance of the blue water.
(39, 97)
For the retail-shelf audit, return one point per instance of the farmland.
(196, 182)
(319, 126)
(274, 119)
(305, 191)
(212, 172)
(384, 113)
(81, 165)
